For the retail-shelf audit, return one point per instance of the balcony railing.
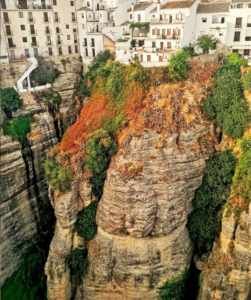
(158, 21)
(7, 21)
(168, 37)
(101, 7)
(12, 45)
(92, 45)
(237, 25)
(94, 30)
(34, 44)
(139, 34)
(248, 24)
(49, 43)
(57, 19)
(31, 20)
(33, 32)
(74, 20)
(47, 31)
(75, 41)
(9, 32)
(84, 44)
(47, 20)
(59, 42)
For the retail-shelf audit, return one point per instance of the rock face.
(227, 273)
(142, 240)
(22, 180)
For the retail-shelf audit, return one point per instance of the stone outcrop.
(227, 273)
(22, 180)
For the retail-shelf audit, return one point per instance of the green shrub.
(86, 226)
(101, 148)
(133, 43)
(174, 288)
(26, 151)
(229, 109)
(17, 129)
(121, 40)
(77, 262)
(91, 75)
(234, 58)
(140, 25)
(207, 42)
(46, 72)
(178, 65)
(53, 99)
(241, 188)
(189, 50)
(247, 81)
(209, 200)
(10, 101)
(58, 177)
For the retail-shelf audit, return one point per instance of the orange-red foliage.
(89, 121)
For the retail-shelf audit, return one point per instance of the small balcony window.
(204, 20)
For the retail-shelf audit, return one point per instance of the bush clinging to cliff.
(77, 261)
(174, 288)
(229, 109)
(58, 177)
(10, 101)
(209, 199)
(247, 81)
(178, 65)
(86, 226)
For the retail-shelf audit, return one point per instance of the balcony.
(94, 30)
(47, 20)
(58, 31)
(59, 42)
(47, 31)
(248, 24)
(237, 25)
(7, 21)
(75, 41)
(84, 44)
(31, 20)
(101, 7)
(12, 45)
(158, 21)
(74, 20)
(248, 38)
(49, 43)
(139, 34)
(57, 20)
(168, 37)
(33, 32)
(92, 45)
(34, 44)
(9, 32)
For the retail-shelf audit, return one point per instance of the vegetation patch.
(86, 226)
(58, 177)
(46, 72)
(178, 65)
(241, 188)
(10, 101)
(204, 221)
(101, 148)
(230, 109)
(247, 81)
(140, 25)
(207, 42)
(174, 288)
(77, 262)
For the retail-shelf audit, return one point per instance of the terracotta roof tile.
(213, 7)
(141, 6)
(175, 4)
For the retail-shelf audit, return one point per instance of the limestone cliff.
(22, 180)
(142, 240)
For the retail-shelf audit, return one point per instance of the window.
(222, 20)
(237, 36)
(86, 52)
(220, 34)
(72, 3)
(25, 39)
(246, 51)
(74, 29)
(148, 57)
(93, 52)
(139, 18)
(22, 27)
(21, 14)
(153, 45)
(88, 5)
(50, 51)
(83, 15)
(83, 26)
(249, 21)
(153, 32)
(54, 2)
(69, 49)
(60, 52)
(68, 37)
(215, 20)
(248, 35)
(85, 41)
(57, 30)
(67, 26)
(56, 17)
(153, 16)
(238, 22)
(92, 42)
(130, 16)
(204, 20)
(239, 5)
(249, 6)
(76, 49)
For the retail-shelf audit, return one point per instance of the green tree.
(86, 226)
(77, 262)
(209, 199)
(46, 72)
(207, 42)
(178, 65)
(234, 58)
(10, 101)
(247, 81)
(174, 288)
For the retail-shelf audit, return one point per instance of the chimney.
(132, 7)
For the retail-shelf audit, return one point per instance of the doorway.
(35, 52)
(27, 53)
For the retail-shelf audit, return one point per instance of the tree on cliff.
(10, 101)
(207, 42)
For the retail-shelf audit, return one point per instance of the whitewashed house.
(211, 19)
(239, 27)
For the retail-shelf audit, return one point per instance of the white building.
(41, 27)
(239, 27)
(212, 19)
(98, 20)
